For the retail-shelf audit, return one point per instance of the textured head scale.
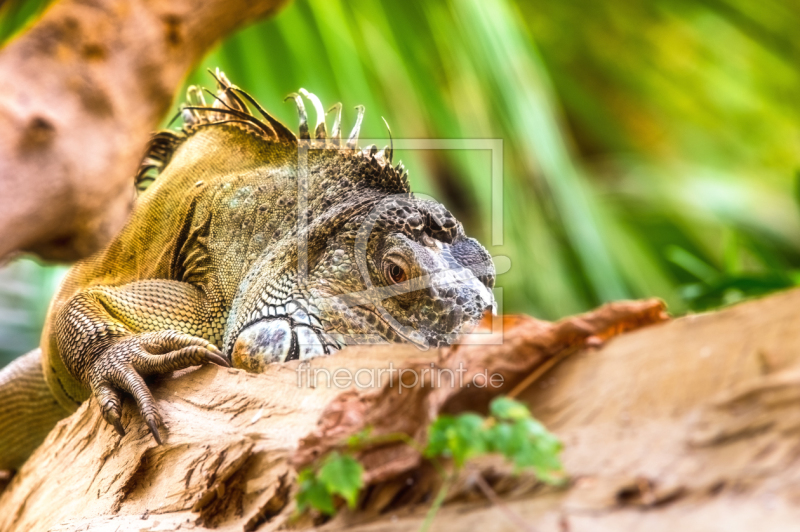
(381, 264)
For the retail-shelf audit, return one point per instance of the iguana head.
(352, 255)
(403, 272)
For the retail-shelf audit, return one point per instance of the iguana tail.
(27, 409)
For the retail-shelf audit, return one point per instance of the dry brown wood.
(82, 91)
(690, 424)
(235, 440)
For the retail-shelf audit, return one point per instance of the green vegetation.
(339, 475)
(650, 146)
(509, 431)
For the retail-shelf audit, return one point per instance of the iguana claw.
(124, 364)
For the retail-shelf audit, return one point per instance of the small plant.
(509, 430)
(339, 474)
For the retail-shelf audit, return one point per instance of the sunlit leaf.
(342, 475)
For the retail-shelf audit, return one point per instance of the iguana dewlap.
(250, 246)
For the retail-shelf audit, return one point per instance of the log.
(235, 441)
(82, 91)
(689, 424)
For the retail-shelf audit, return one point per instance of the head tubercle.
(233, 107)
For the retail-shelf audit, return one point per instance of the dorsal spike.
(301, 111)
(336, 132)
(283, 132)
(352, 140)
(195, 96)
(390, 152)
(159, 151)
(385, 155)
(190, 116)
(222, 79)
(225, 93)
(234, 101)
(218, 114)
(320, 131)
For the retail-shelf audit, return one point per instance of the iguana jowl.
(272, 246)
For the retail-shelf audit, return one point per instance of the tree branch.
(234, 441)
(82, 90)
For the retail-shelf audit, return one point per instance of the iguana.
(248, 245)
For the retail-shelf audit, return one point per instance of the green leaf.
(313, 493)
(438, 435)
(342, 475)
(500, 439)
(530, 445)
(458, 437)
(506, 408)
(512, 433)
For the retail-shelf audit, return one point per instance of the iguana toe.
(124, 364)
(110, 402)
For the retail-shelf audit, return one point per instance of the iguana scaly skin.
(250, 246)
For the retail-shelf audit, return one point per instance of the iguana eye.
(395, 273)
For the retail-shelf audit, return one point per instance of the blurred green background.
(650, 146)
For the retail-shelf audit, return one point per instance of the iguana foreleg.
(109, 338)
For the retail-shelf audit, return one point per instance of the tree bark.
(82, 90)
(686, 425)
(234, 441)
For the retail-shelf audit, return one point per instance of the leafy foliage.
(339, 474)
(459, 437)
(342, 475)
(510, 431)
(16, 15)
(312, 493)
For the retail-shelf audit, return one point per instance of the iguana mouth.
(459, 281)
(406, 333)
